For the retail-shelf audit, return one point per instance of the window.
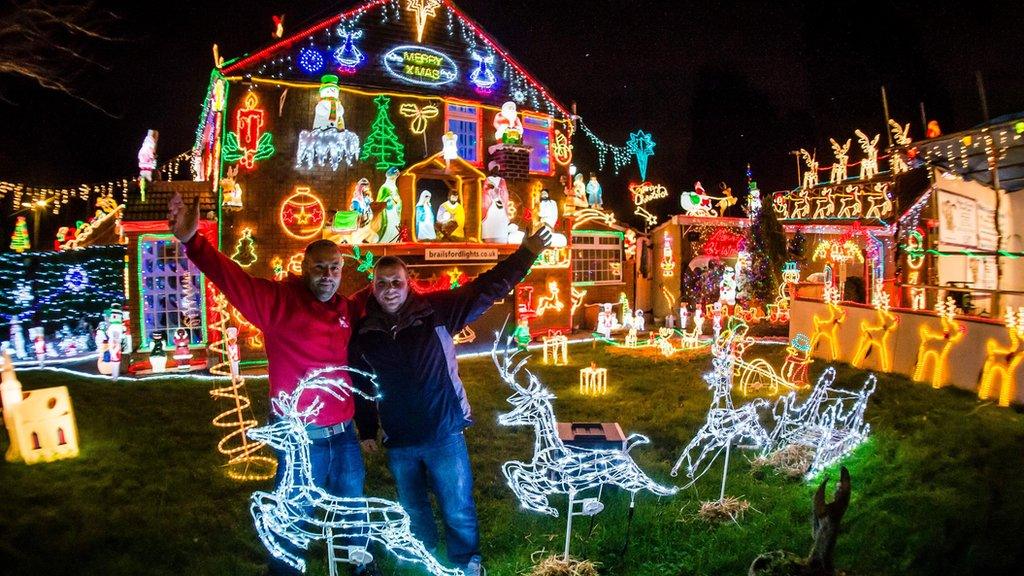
(596, 257)
(537, 134)
(168, 303)
(464, 121)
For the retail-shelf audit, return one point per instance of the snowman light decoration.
(727, 287)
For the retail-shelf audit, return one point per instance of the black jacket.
(413, 356)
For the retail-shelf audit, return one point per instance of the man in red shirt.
(306, 325)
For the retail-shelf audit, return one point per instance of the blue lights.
(311, 60)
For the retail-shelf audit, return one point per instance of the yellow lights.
(593, 380)
(642, 194)
(244, 464)
(465, 336)
(577, 297)
(840, 252)
(419, 116)
(588, 215)
(550, 300)
(842, 158)
(561, 149)
(915, 261)
(828, 328)
(668, 263)
(302, 214)
(1001, 361)
(277, 265)
(875, 337)
(901, 135)
(553, 258)
(934, 347)
(631, 339)
(557, 345)
(869, 164)
(424, 10)
(811, 172)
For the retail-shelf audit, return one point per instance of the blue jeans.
(443, 466)
(337, 467)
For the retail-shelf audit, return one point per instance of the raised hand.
(182, 218)
(539, 240)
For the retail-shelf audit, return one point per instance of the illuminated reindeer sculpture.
(300, 512)
(557, 468)
(725, 424)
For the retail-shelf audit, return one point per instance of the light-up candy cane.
(300, 512)
(558, 468)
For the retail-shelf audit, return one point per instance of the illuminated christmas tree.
(245, 249)
(19, 240)
(766, 243)
(382, 143)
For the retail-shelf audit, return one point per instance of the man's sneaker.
(370, 569)
(475, 567)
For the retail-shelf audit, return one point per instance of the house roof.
(247, 62)
(158, 196)
(964, 153)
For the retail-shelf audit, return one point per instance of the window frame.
(145, 338)
(467, 117)
(596, 234)
(551, 138)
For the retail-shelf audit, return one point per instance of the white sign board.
(460, 254)
(987, 237)
(958, 220)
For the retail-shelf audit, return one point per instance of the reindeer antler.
(316, 380)
(506, 371)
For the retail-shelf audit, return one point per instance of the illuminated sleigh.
(830, 421)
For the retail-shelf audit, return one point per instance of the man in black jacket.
(406, 339)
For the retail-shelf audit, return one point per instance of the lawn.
(937, 488)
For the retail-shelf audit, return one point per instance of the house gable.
(379, 45)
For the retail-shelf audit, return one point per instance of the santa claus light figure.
(508, 128)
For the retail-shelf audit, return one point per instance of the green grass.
(937, 489)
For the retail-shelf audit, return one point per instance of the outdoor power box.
(596, 435)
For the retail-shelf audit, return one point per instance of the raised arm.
(463, 305)
(254, 297)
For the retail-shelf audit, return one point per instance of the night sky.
(718, 84)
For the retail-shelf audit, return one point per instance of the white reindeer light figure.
(830, 421)
(725, 424)
(842, 157)
(557, 468)
(811, 174)
(300, 512)
(869, 165)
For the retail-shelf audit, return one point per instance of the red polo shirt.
(300, 333)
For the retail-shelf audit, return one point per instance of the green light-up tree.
(383, 143)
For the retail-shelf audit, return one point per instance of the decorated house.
(393, 128)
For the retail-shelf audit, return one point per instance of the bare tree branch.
(47, 42)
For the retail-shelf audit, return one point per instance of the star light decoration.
(725, 424)
(641, 145)
(830, 421)
(642, 194)
(557, 468)
(299, 512)
(424, 10)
